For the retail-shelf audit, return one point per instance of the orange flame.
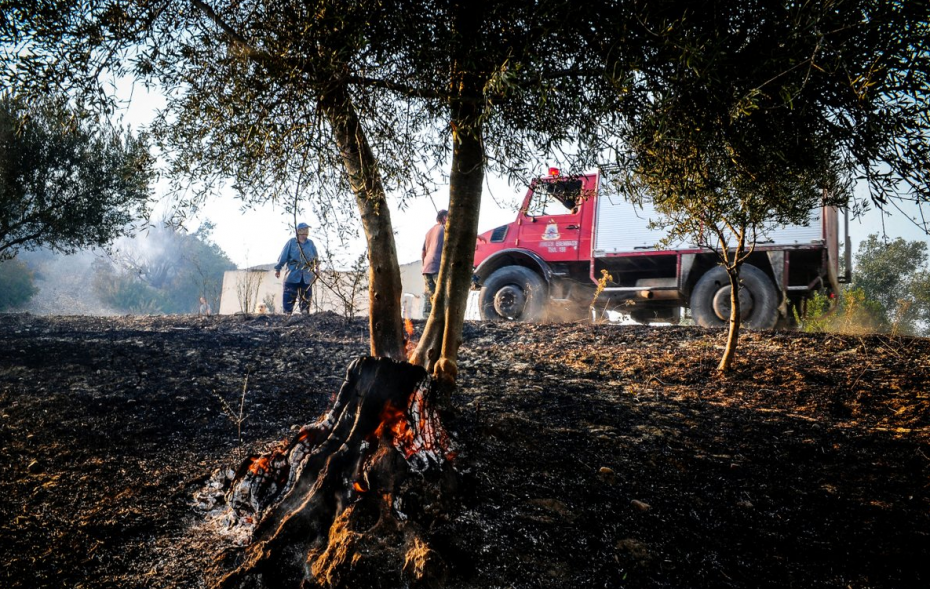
(260, 465)
(358, 487)
(408, 340)
(414, 428)
(395, 427)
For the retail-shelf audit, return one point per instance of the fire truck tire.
(513, 293)
(710, 299)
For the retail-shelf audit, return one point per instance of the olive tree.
(894, 273)
(743, 115)
(288, 98)
(519, 82)
(65, 182)
(335, 98)
(257, 93)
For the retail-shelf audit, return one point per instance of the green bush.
(859, 314)
(817, 314)
(17, 284)
(852, 312)
(127, 294)
(894, 274)
(165, 271)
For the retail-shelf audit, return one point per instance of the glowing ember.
(407, 422)
(260, 465)
(394, 426)
(416, 432)
(409, 343)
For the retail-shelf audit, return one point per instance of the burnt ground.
(590, 455)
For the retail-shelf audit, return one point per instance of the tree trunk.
(729, 353)
(437, 350)
(384, 283)
(335, 506)
(438, 347)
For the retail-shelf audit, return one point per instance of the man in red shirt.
(432, 255)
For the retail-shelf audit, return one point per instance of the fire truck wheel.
(513, 293)
(710, 299)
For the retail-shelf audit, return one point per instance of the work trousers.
(294, 292)
(429, 281)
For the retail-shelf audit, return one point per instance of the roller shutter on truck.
(624, 228)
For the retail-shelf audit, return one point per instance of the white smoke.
(65, 284)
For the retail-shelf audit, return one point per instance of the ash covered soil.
(590, 455)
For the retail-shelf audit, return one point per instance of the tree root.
(348, 501)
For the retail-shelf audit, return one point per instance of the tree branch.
(233, 34)
(414, 92)
(404, 89)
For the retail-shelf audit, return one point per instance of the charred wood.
(344, 482)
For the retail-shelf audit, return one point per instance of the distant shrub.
(165, 270)
(17, 284)
(127, 294)
(269, 302)
(818, 314)
(859, 314)
(852, 312)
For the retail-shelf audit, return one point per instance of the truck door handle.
(573, 227)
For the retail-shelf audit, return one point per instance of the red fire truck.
(568, 233)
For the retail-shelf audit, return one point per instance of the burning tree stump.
(343, 503)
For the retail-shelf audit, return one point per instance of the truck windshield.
(554, 198)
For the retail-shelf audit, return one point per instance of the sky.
(257, 236)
